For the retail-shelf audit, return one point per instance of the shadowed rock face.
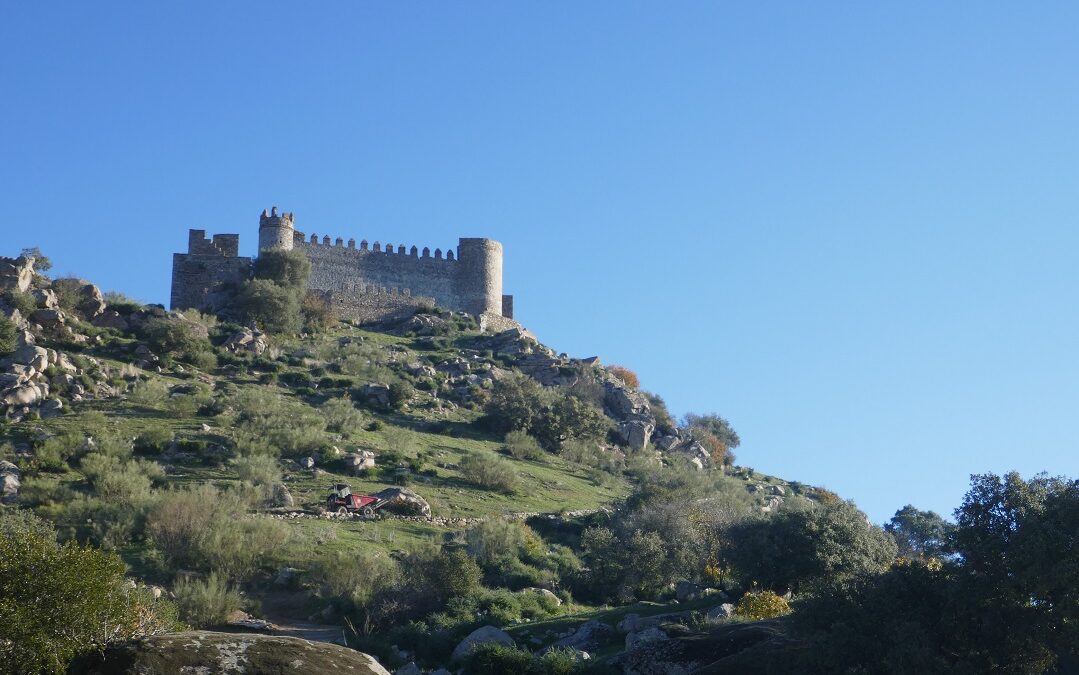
(198, 652)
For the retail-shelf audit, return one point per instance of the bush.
(151, 393)
(273, 308)
(22, 301)
(496, 659)
(400, 393)
(153, 440)
(7, 335)
(490, 473)
(206, 602)
(522, 446)
(261, 471)
(341, 416)
(757, 605)
(59, 601)
(628, 377)
(180, 339)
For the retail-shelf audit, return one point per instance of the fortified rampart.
(365, 282)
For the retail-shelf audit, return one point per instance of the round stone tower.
(275, 231)
(479, 277)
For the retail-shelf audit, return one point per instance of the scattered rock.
(307, 462)
(46, 299)
(359, 462)
(481, 636)
(52, 408)
(409, 668)
(544, 593)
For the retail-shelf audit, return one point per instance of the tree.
(714, 425)
(1006, 603)
(919, 534)
(8, 333)
(273, 299)
(58, 601)
(515, 403)
(42, 263)
(568, 417)
(803, 546)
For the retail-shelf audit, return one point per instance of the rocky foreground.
(205, 652)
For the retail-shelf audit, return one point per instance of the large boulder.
(481, 636)
(110, 318)
(376, 394)
(589, 636)
(647, 635)
(624, 404)
(226, 653)
(358, 462)
(636, 432)
(403, 500)
(282, 496)
(9, 481)
(248, 340)
(46, 299)
(16, 273)
(90, 302)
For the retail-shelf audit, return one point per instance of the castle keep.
(365, 282)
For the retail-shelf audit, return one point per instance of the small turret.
(276, 231)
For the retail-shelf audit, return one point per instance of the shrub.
(261, 471)
(206, 602)
(400, 393)
(180, 339)
(716, 426)
(522, 446)
(496, 537)
(151, 393)
(496, 659)
(58, 601)
(153, 440)
(22, 301)
(355, 576)
(628, 377)
(757, 605)
(181, 517)
(7, 335)
(490, 473)
(317, 313)
(341, 416)
(515, 403)
(274, 308)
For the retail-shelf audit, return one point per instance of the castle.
(363, 283)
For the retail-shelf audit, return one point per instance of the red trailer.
(343, 501)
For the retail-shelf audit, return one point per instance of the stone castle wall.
(364, 282)
(202, 277)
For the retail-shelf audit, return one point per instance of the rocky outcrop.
(16, 274)
(481, 636)
(248, 340)
(226, 653)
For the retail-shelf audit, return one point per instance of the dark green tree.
(801, 547)
(919, 534)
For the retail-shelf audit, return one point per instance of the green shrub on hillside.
(522, 446)
(552, 417)
(489, 472)
(8, 331)
(208, 602)
(757, 605)
(175, 338)
(58, 601)
(804, 545)
(496, 659)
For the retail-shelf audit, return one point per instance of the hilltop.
(542, 513)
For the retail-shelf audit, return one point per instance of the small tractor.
(343, 501)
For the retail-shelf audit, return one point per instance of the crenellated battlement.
(301, 239)
(366, 276)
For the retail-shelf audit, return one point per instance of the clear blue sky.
(850, 228)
